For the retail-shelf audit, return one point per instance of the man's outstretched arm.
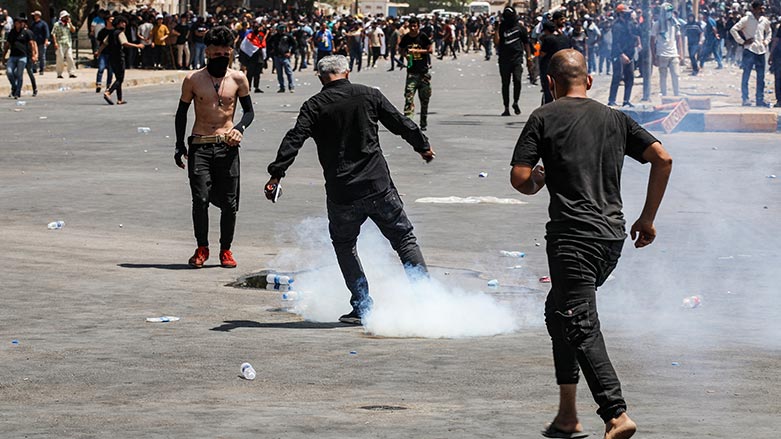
(291, 144)
(403, 126)
(643, 231)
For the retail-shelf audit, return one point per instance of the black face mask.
(218, 66)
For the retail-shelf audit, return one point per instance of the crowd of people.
(617, 40)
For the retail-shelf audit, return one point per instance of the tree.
(79, 9)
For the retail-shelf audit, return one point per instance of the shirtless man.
(213, 158)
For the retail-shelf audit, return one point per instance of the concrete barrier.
(759, 122)
(695, 102)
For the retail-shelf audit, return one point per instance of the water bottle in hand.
(247, 371)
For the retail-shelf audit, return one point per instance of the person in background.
(41, 32)
(419, 47)
(712, 41)
(115, 43)
(625, 41)
(324, 43)
(103, 31)
(512, 42)
(160, 33)
(667, 48)
(61, 37)
(775, 65)
(282, 45)
(754, 34)
(343, 119)
(20, 42)
(199, 48)
(694, 38)
(182, 33)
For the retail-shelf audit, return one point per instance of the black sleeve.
(293, 141)
(637, 139)
(401, 125)
(524, 35)
(527, 149)
(180, 123)
(248, 116)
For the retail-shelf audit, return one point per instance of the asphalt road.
(88, 365)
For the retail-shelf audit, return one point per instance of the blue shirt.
(324, 41)
(40, 30)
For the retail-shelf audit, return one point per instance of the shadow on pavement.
(229, 325)
(163, 266)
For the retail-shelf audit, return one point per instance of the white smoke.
(426, 308)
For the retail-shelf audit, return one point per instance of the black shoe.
(257, 90)
(506, 112)
(516, 109)
(628, 104)
(97, 89)
(763, 104)
(746, 103)
(72, 76)
(423, 128)
(351, 319)
(281, 90)
(35, 93)
(612, 104)
(777, 105)
(59, 76)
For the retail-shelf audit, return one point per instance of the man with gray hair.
(343, 120)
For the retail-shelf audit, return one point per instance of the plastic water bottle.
(692, 302)
(247, 371)
(290, 296)
(482, 175)
(21, 103)
(277, 287)
(493, 283)
(512, 254)
(56, 225)
(279, 280)
(144, 130)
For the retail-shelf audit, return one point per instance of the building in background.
(382, 7)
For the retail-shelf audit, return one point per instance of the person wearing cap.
(61, 38)
(160, 34)
(712, 41)
(41, 32)
(21, 44)
(625, 41)
(282, 46)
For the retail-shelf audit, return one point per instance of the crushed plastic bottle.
(15, 342)
(692, 302)
(21, 103)
(64, 88)
(247, 371)
(144, 130)
(493, 283)
(290, 296)
(162, 319)
(56, 225)
(512, 254)
(482, 175)
(771, 176)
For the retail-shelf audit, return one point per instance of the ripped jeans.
(577, 268)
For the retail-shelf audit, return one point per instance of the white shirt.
(667, 45)
(145, 30)
(759, 30)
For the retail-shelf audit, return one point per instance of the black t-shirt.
(582, 144)
(116, 53)
(511, 43)
(550, 44)
(101, 36)
(183, 30)
(199, 27)
(420, 61)
(20, 42)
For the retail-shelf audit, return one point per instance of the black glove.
(180, 151)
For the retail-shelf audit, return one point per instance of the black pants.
(625, 72)
(777, 75)
(31, 72)
(506, 71)
(214, 178)
(547, 95)
(254, 68)
(344, 225)
(118, 67)
(577, 269)
(374, 55)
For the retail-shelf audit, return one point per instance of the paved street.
(88, 365)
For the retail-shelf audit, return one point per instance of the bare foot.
(621, 427)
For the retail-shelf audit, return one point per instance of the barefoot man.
(213, 156)
(582, 144)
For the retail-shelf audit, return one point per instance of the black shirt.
(511, 43)
(342, 119)
(420, 61)
(183, 30)
(693, 33)
(624, 39)
(101, 37)
(281, 43)
(582, 144)
(20, 42)
(549, 45)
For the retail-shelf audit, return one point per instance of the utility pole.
(646, 65)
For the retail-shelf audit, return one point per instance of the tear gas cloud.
(426, 308)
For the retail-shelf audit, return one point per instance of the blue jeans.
(15, 69)
(694, 53)
(344, 224)
(199, 53)
(103, 64)
(282, 63)
(750, 61)
(592, 59)
(41, 57)
(711, 47)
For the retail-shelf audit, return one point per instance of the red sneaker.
(200, 256)
(226, 259)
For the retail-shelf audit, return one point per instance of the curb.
(711, 121)
(173, 77)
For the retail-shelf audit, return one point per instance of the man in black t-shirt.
(417, 48)
(182, 33)
(21, 42)
(115, 44)
(582, 144)
(512, 42)
(551, 42)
